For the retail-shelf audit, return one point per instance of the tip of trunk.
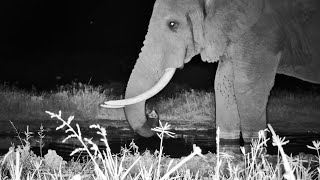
(139, 121)
(151, 122)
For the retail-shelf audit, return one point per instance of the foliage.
(82, 101)
(78, 99)
(253, 163)
(189, 105)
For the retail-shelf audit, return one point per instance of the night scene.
(160, 89)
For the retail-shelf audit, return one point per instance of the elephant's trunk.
(146, 73)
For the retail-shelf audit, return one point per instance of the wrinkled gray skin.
(252, 40)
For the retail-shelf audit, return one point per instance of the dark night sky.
(76, 39)
(84, 40)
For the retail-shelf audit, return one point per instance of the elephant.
(252, 41)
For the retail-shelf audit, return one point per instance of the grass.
(293, 109)
(83, 102)
(78, 99)
(21, 163)
(188, 105)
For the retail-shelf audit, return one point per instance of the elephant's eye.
(173, 25)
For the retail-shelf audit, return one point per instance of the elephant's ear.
(225, 22)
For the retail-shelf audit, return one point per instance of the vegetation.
(21, 163)
(83, 102)
(78, 99)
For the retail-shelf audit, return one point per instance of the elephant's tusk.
(164, 80)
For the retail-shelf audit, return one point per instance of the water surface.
(120, 135)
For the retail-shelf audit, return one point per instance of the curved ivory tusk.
(164, 80)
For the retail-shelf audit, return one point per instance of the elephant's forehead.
(179, 7)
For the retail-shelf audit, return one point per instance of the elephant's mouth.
(164, 80)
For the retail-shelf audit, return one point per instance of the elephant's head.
(178, 30)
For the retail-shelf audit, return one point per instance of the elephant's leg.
(254, 77)
(227, 116)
